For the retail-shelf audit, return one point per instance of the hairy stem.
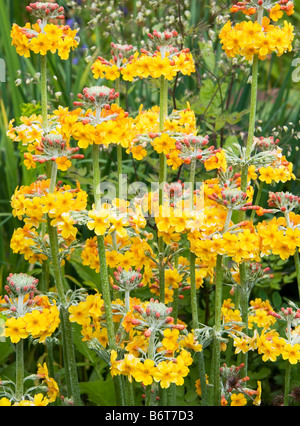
(19, 370)
(244, 181)
(163, 112)
(104, 277)
(218, 319)
(66, 327)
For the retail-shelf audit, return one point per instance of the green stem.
(252, 118)
(104, 277)
(218, 328)
(150, 393)
(19, 370)
(44, 100)
(175, 304)
(218, 319)
(297, 265)
(130, 394)
(287, 382)
(119, 148)
(244, 181)
(194, 300)
(71, 372)
(163, 112)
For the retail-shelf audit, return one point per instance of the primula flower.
(144, 372)
(15, 328)
(238, 400)
(43, 37)
(250, 38)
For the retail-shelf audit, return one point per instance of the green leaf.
(6, 349)
(99, 392)
(208, 56)
(276, 300)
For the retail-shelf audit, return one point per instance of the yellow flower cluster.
(89, 314)
(132, 252)
(250, 38)
(52, 387)
(40, 323)
(147, 371)
(113, 218)
(280, 172)
(145, 65)
(43, 39)
(117, 130)
(32, 203)
(268, 341)
(41, 146)
(147, 123)
(279, 239)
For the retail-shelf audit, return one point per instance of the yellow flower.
(170, 339)
(238, 400)
(291, 353)
(40, 44)
(128, 365)
(15, 328)
(40, 400)
(99, 222)
(276, 13)
(144, 372)
(4, 402)
(35, 322)
(266, 174)
(165, 374)
(163, 144)
(79, 314)
(66, 226)
(63, 163)
(181, 370)
(29, 161)
(173, 278)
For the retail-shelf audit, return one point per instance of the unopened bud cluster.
(283, 201)
(46, 10)
(266, 144)
(256, 271)
(233, 199)
(191, 146)
(232, 377)
(155, 317)
(162, 39)
(20, 290)
(228, 178)
(287, 314)
(53, 147)
(127, 280)
(119, 52)
(97, 97)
